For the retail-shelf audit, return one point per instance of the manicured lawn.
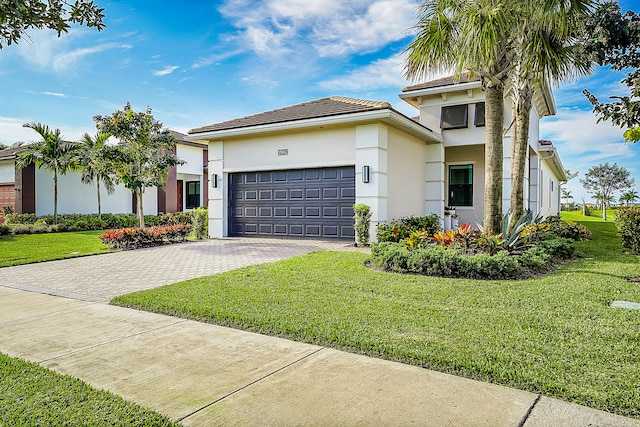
(30, 248)
(555, 335)
(31, 395)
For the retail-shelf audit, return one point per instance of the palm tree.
(542, 48)
(470, 36)
(93, 158)
(52, 153)
(629, 197)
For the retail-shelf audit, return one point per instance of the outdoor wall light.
(365, 174)
(214, 180)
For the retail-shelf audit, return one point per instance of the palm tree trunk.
(604, 209)
(493, 155)
(520, 141)
(140, 210)
(99, 208)
(55, 197)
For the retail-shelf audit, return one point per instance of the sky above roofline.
(206, 62)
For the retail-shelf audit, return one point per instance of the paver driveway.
(102, 277)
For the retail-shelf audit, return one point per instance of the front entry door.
(179, 192)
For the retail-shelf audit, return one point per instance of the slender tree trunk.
(493, 156)
(140, 210)
(99, 208)
(604, 209)
(520, 141)
(55, 197)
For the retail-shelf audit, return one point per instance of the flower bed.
(530, 248)
(135, 237)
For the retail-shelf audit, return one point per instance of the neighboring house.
(30, 190)
(297, 171)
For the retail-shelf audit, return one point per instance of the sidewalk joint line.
(250, 384)
(528, 413)
(101, 344)
(48, 313)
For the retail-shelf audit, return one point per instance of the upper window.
(461, 185)
(454, 117)
(193, 194)
(479, 118)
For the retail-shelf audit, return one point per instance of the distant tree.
(94, 162)
(566, 195)
(3, 147)
(570, 175)
(143, 156)
(630, 197)
(52, 153)
(18, 16)
(614, 39)
(603, 180)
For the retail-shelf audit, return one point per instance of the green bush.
(627, 222)
(20, 218)
(4, 230)
(200, 221)
(402, 229)
(362, 217)
(134, 238)
(567, 229)
(443, 261)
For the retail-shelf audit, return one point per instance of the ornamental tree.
(603, 180)
(144, 154)
(18, 16)
(614, 40)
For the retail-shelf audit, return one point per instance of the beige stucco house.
(297, 171)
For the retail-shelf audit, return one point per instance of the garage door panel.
(306, 202)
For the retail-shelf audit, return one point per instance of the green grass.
(30, 248)
(31, 395)
(555, 335)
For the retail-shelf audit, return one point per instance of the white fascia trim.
(291, 166)
(385, 115)
(460, 87)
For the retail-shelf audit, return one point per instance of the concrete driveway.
(106, 276)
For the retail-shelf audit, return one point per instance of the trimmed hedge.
(402, 229)
(436, 260)
(135, 237)
(628, 224)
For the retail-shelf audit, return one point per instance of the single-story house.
(30, 190)
(297, 171)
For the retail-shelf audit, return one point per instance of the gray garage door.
(293, 203)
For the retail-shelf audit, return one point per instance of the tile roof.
(325, 107)
(445, 81)
(11, 152)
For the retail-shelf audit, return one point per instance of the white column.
(216, 203)
(434, 180)
(506, 173)
(534, 192)
(371, 150)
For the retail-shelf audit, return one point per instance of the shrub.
(362, 216)
(558, 247)
(176, 218)
(4, 230)
(134, 238)
(567, 229)
(627, 223)
(200, 221)
(402, 229)
(20, 218)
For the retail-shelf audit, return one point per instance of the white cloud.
(331, 27)
(56, 94)
(47, 52)
(166, 70)
(383, 73)
(12, 131)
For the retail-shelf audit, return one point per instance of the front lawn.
(555, 335)
(31, 395)
(30, 248)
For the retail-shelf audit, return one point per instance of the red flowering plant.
(134, 237)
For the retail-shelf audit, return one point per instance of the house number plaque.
(283, 152)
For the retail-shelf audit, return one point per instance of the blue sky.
(207, 61)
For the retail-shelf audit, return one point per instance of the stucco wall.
(468, 155)
(316, 148)
(76, 197)
(7, 171)
(549, 189)
(406, 157)
(193, 158)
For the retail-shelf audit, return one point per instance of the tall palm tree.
(52, 153)
(470, 36)
(629, 197)
(542, 44)
(93, 159)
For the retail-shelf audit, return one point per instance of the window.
(479, 118)
(193, 194)
(461, 185)
(454, 117)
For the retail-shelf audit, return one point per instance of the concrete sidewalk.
(205, 375)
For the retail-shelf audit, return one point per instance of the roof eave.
(385, 115)
(553, 159)
(412, 96)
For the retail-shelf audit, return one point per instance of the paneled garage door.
(294, 203)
